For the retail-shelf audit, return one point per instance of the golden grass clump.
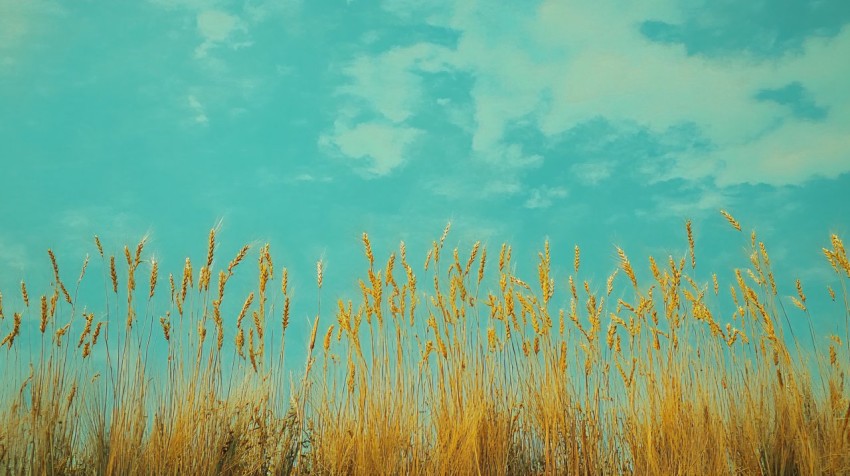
(467, 376)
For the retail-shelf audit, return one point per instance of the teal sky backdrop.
(303, 124)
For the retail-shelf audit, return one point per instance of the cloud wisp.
(548, 67)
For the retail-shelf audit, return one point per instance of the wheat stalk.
(732, 221)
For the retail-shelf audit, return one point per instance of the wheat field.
(454, 365)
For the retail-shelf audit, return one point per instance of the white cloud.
(513, 157)
(225, 26)
(305, 177)
(705, 201)
(185, 4)
(434, 11)
(13, 23)
(626, 77)
(591, 173)
(13, 256)
(110, 222)
(375, 148)
(552, 68)
(257, 12)
(544, 197)
(458, 113)
(20, 21)
(798, 150)
(215, 25)
(471, 186)
(198, 109)
(217, 28)
(389, 83)
(498, 187)
(275, 176)
(789, 155)
(15, 261)
(570, 62)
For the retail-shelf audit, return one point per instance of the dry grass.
(463, 369)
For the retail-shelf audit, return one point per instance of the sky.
(303, 124)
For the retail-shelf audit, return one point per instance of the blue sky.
(303, 124)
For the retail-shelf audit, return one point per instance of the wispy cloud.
(186, 4)
(390, 83)
(472, 187)
(544, 197)
(305, 178)
(551, 66)
(224, 35)
(218, 28)
(113, 224)
(14, 259)
(389, 86)
(374, 148)
(198, 109)
(592, 173)
(269, 176)
(689, 203)
(20, 21)
(13, 24)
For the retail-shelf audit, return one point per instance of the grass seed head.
(576, 259)
(24, 294)
(690, 232)
(154, 277)
(367, 245)
(98, 245)
(732, 221)
(113, 274)
(43, 322)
